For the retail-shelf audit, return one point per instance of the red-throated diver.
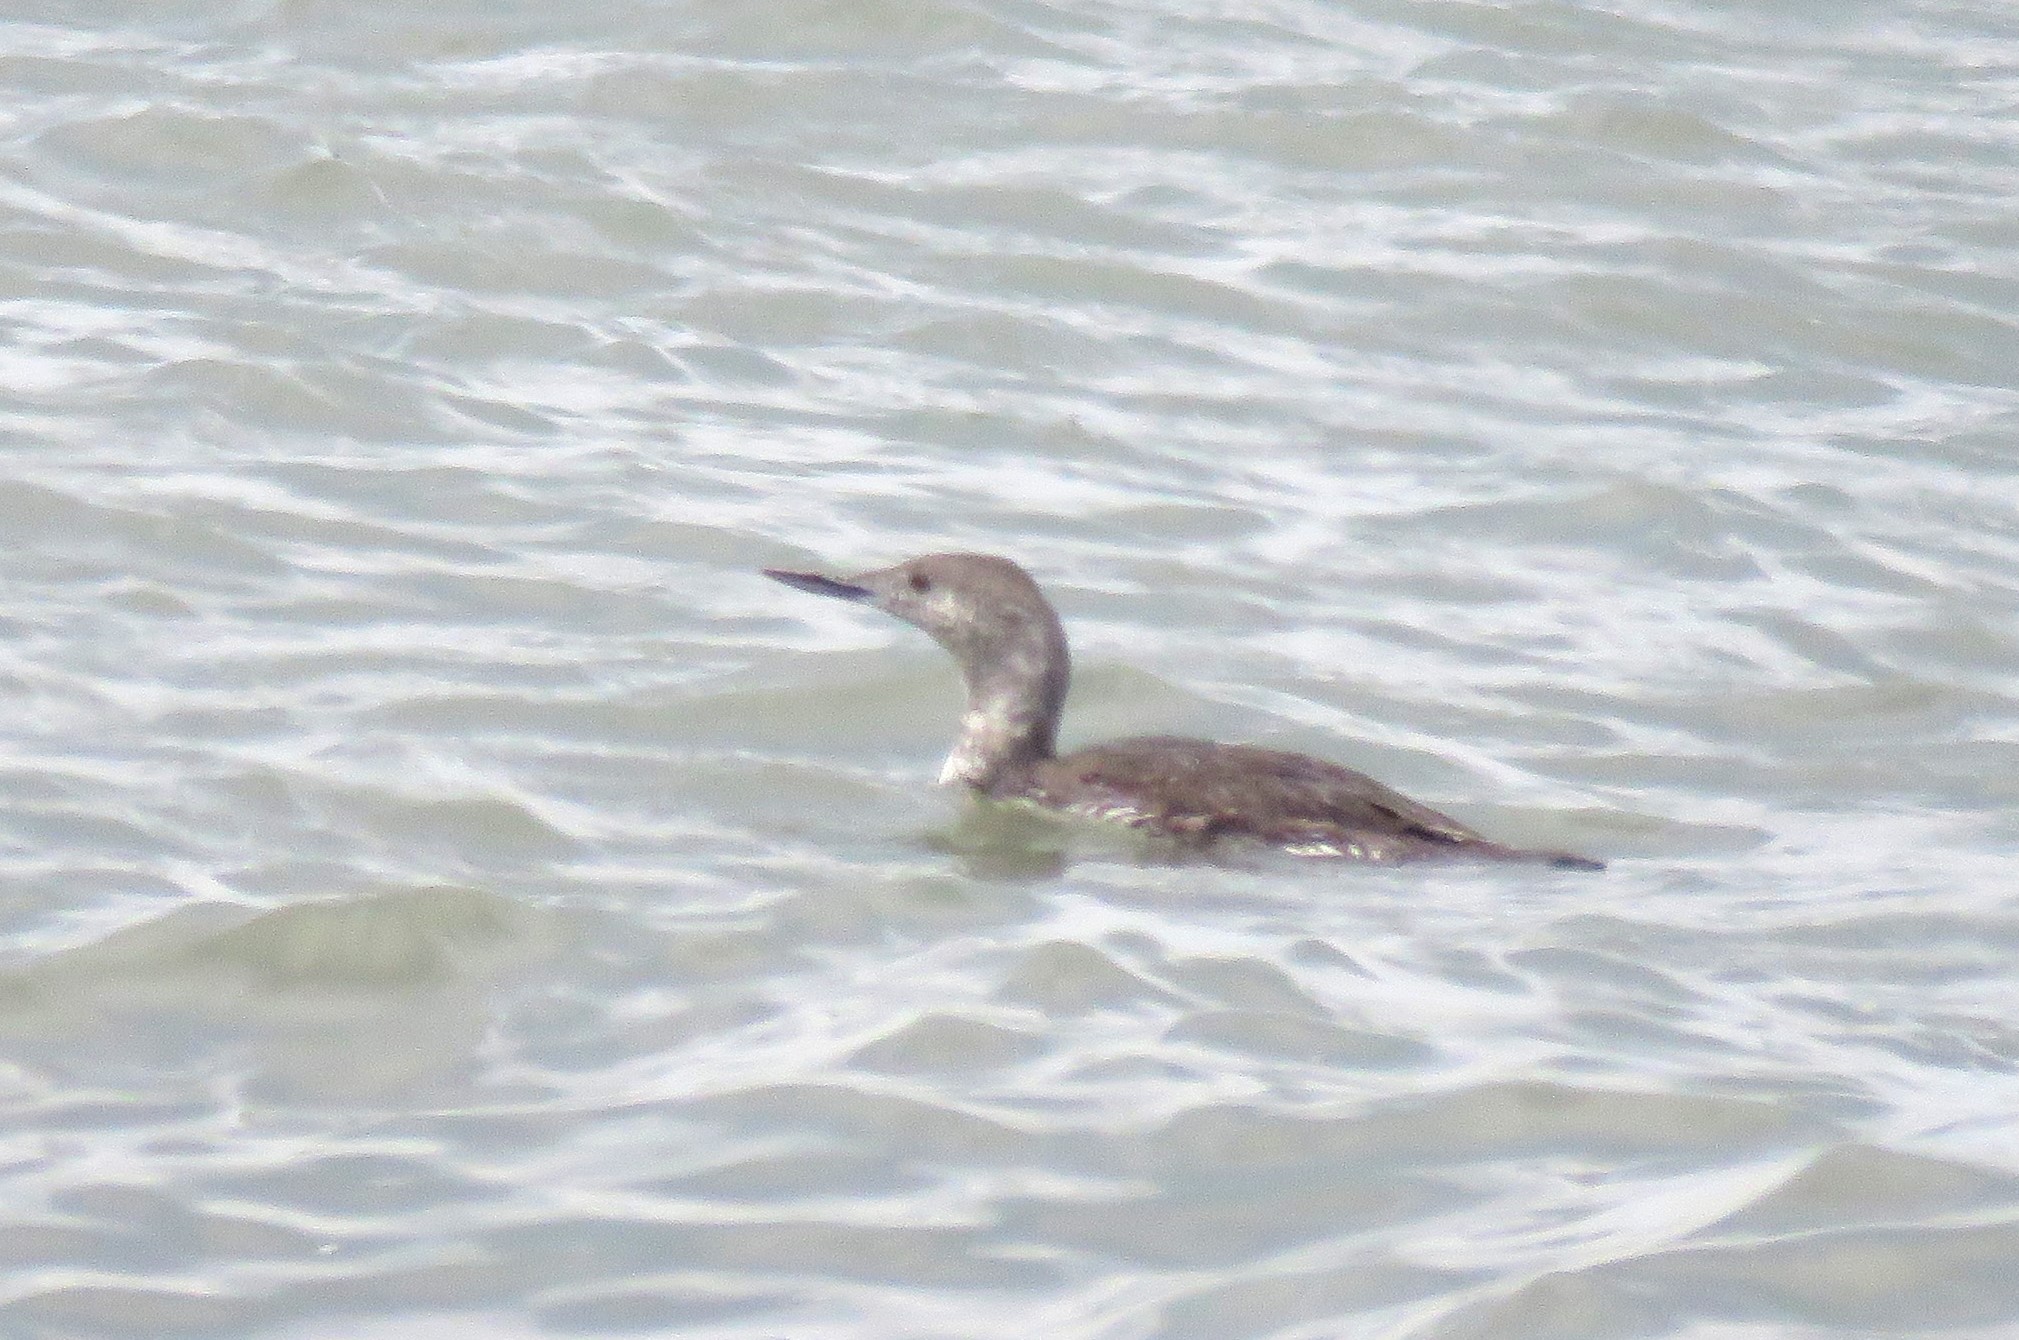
(991, 616)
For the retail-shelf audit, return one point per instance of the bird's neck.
(1012, 716)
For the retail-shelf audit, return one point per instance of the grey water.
(445, 892)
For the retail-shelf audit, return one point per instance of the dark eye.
(920, 582)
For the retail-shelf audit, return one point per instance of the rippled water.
(447, 893)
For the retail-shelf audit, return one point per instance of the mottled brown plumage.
(1012, 652)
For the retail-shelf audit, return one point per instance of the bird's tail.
(1562, 860)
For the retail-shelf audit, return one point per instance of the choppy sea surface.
(445, 892)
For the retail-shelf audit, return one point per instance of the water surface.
(447, 893)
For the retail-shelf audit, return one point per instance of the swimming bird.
(990, 615)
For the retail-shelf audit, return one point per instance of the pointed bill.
(819, 585)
